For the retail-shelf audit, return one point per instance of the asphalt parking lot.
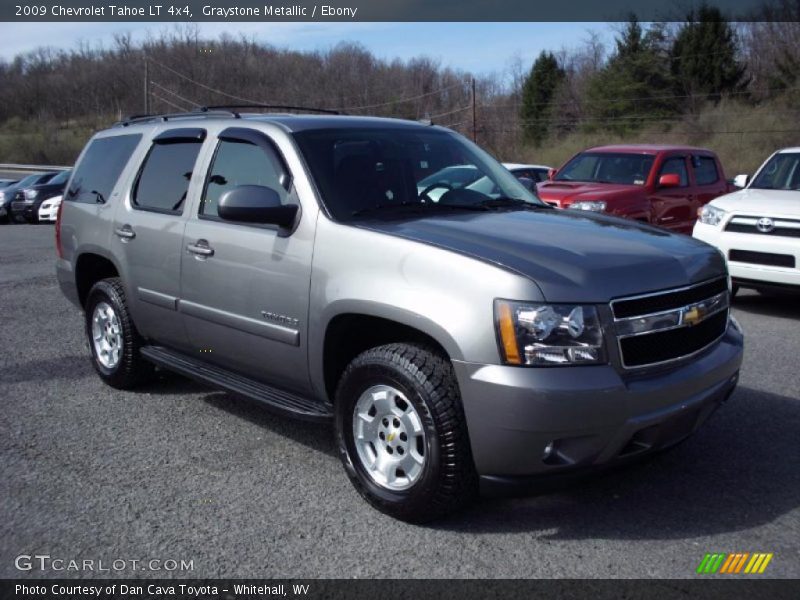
(180, 471)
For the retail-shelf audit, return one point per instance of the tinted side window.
(241, 163)
(705, 170)
(100, 167)
(676, 165)
(164, 179)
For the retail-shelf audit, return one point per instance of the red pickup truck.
(661, 185)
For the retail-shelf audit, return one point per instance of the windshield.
(606, 167)
(29, 180)
(782, 172)
(361, 170)
(60, 178)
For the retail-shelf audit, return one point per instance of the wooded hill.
(732, 87)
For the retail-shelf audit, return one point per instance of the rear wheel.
(402, 435)
(113, 339)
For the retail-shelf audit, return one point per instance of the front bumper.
(22, 210)
(747, 273)
(593, 416)
(48, 214)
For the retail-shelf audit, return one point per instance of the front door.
(245, 287)
(672, 206)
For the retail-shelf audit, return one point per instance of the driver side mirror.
(741, 181)
(551, 174)
(256, 204)
(668, 180)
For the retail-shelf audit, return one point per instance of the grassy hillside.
(743, 135)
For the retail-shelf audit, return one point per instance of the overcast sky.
(477, 47)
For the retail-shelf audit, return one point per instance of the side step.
(276, 400)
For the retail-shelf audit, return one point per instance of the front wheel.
(402, 435)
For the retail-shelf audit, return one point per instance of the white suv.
(758, 227)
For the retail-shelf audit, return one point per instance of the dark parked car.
(7, 193)
(28, 200)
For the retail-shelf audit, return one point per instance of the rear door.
(148, 233)
(672, 206)
(245, 287)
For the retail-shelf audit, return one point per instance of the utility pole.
(146, 87)
(474, 115)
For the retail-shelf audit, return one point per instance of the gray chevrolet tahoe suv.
(460, 337)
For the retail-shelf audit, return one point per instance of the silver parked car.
(479, 341)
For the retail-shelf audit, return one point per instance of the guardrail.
(31, 168)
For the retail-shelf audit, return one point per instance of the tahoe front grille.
(653, 303)
(670, 325)
(668, 345)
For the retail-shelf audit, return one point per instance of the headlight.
(31, 194)
(711, 215)
(2, 196)
(540, 334)
(593, 205)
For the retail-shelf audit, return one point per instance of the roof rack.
(203, 112)
(305, 109)
(218, 110)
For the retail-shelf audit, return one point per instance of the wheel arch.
(91, 267)
(348, 334)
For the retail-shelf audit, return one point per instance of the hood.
(572, 257)
(564, 193)
(761, 203)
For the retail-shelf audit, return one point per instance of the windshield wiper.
(508, 202)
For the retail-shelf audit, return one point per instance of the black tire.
(131, 369)
(448, 480)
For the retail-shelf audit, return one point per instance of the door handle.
(125, 232)
(201, 249)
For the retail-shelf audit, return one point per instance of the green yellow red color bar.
(737, 562)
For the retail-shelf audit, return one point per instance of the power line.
(450, 112)
(187, 100)
(167, 102)
(566, 120)
(401, 100)
(347, 108)
(207, 87)
(648, 98)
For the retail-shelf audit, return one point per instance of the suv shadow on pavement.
(738, 475)
(316, 436)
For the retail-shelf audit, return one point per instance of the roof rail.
(306, 109)
(137, 119)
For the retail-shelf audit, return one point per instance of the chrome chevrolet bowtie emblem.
(765, 224)
(694, 314)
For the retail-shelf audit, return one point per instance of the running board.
(276, 400)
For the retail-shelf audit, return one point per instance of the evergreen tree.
(636, 85)
(537, 94)
(704, 56)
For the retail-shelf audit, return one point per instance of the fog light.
(548, 451)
